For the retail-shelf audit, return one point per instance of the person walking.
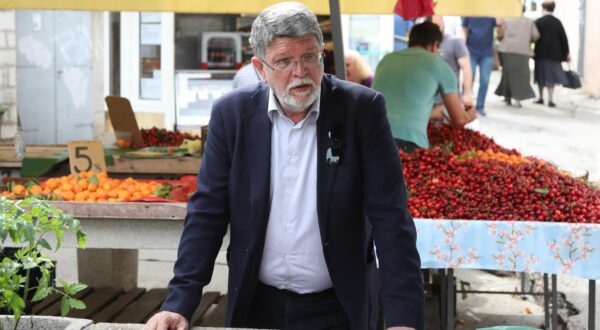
(410, 81)
(551, 49)
(479, 33)
(516, 36)
(303, 169)
(454, 52)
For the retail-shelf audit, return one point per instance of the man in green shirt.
(410, 80)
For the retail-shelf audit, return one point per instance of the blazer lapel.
(330, 112)
(257, 139)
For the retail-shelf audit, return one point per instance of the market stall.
(164, 154)
(476, 205)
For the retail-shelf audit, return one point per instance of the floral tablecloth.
(554, 248)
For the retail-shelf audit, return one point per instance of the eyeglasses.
(308, 61)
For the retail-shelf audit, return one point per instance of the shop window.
(150, 56)
(115, 54)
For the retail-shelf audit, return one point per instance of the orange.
(82, 183)
(113, 194)
(66, 186)
(36, 190)
(92, 186)
(101, 194)
(19, 189)
(68, 195)
(52, 183)
(123, 195)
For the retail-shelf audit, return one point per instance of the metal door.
(54, 56)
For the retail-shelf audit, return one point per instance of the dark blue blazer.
(233, 189)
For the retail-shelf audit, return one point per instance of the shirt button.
(289, 193)
(288, 225)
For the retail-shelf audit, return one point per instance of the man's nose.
(299, 69)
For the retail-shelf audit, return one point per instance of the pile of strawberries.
(160, 137)
(465, 175)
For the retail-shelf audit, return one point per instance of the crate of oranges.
(85, 187)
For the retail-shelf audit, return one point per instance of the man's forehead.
(285, 44)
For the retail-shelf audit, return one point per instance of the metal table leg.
(546, 300)
(450, 298)
(554, 303)
(592, 306)
(443, 299)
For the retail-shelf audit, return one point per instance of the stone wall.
(8, 73)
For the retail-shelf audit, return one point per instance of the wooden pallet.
(133, 306)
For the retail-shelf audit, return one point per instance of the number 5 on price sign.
(86, 156)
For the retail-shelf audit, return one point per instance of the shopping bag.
(573, 80)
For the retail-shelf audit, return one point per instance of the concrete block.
(8, 95)
(46, 323)
(8, 57)
(8, 130)
(12, 76)
(7, 20)
(4, 75)
(116, 268)
(10, 39)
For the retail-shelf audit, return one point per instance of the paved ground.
(567, 136)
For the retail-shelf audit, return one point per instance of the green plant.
(28, 224)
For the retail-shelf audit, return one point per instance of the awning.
(495, 8)
(321, 7)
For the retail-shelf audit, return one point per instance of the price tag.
(86, 156)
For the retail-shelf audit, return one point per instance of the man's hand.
(467, 100)
(167, 321)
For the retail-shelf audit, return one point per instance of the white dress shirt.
(293, 255)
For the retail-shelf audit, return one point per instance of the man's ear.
(259, 66)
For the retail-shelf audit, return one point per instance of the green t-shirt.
(410, 80)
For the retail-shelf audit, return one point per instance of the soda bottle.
(20, 144)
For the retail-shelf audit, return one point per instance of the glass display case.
(195, 93)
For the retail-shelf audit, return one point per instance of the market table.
(518, 246)
(40, 159)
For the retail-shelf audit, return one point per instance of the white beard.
(291, 103)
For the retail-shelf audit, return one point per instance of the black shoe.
(481, 112)
(551, 104)
(539, 101)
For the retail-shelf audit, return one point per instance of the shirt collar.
(274, 107)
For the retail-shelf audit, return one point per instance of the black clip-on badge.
(334, 152)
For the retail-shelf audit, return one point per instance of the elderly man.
(295, 166)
